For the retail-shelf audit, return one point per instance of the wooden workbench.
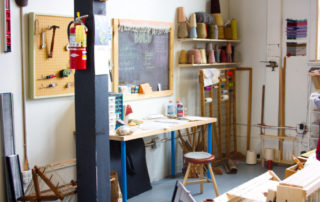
(140, 132)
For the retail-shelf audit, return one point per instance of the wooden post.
(234, 120)
(249, 109)
(282, 87)
(202, 93)
(219, 120)
(262, 121)
(249, 103)
(227, 106)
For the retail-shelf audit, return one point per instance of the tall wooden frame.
(115, 73)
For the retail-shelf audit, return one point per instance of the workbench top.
(163, 125)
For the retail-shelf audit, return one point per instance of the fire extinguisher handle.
(68, 29)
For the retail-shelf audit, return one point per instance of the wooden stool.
(200, 158)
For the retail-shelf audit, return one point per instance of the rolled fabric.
(215, 6)
(201, 30)
(182, 30)
(193, 33)
(203, 56)
(211, 58)
(218, 20)
(269, 154)
(193, 20)
(206, 18)
(209, 47)
(221, 32)
(223, 56)
(183, 58)
(181, 15)
(208, 100)
(211, 32)
(216, 32)
(194, 56)
(251, 157)
(234, 29)
(227, 33)
(224, 97)
(217, 53)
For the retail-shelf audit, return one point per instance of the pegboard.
(41, 65)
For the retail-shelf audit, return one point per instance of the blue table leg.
(209, 143)
(124, 170)
(173, 154)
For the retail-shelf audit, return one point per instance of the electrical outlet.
(301, 128)
(154, 143)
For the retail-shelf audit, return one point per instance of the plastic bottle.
(170, 109)
(179, 106)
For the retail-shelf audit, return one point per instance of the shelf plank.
(208, 40)
(209, 65)
(278, 137)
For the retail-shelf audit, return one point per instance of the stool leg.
(201, 177)
(187, 174)
(213, 180)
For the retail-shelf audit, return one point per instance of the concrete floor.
(162, 190)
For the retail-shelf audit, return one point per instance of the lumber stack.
(301, 186)
(253, 190)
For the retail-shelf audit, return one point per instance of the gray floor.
(162, 190)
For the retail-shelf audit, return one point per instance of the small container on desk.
(117, 108)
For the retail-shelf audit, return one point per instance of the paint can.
(251, 157)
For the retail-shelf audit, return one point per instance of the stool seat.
(199, 157)
(203, 159)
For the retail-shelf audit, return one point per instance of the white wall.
(185, 80)
(51, 122)
(252, 16)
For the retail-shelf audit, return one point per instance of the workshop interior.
(181, 101)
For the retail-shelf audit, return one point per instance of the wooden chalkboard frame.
(154, 94)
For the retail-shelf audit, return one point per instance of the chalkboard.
(143, 57)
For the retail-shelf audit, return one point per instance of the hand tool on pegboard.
(53, 27)
(21, 4)
(7, 26)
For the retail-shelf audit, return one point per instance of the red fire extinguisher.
(77, 35)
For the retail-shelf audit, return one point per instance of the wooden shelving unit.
(316, 80)
(209, 65)
(208, 40)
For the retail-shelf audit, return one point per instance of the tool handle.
(52, 44)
